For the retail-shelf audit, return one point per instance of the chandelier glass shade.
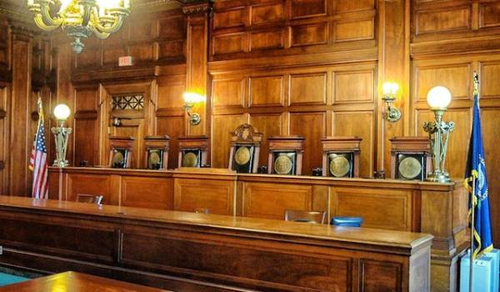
(80, 18)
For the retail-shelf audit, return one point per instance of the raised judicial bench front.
(434, 208)
(184, 251)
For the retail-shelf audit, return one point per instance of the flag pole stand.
(471, 262)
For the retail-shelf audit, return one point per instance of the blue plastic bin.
(347, 221)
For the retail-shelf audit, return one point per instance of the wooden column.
(5, 83)
(196, 61)
(20, 142)
(394, 65)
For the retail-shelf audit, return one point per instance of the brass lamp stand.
(61, 134)
(439, 98)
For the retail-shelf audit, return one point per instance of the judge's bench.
(438, 209)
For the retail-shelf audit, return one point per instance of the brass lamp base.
(441, 177)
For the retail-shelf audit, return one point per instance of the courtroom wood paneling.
(228, 92)
(196, 248)
(269, 125)
(361, 124)
(394, 207)
(91, 185)
(217, 196)
(308, 88)
(241, 29)
(20, 177)
(4, 136)
(312, 133)
(490, 88)
(223, 125)
(489, 14)
(160, 193)
(174, 128)
(354, 86)
(351, 6)
(455, 77)
(457, 18)
(261, 200)
(267, 91)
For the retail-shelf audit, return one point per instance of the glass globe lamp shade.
(62, 112)
(192, 98)
(439, 97)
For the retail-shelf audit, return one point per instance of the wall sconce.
(390, 90)
(438, 99)
(190, 100)
(61, 134)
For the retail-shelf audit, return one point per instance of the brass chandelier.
(80, 18)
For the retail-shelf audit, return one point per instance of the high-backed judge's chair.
(245, 149)
(285, 155)
(318, 217)
(193, 151)
(121, 149)
(157, 148)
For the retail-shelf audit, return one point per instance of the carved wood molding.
(2, 165)
(3, 114)
(197, 9)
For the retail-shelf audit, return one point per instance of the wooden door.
(125, 108)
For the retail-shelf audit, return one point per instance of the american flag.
(38, 160)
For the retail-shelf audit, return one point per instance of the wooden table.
(203, 252)
(73, 281)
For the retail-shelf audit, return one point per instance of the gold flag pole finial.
(476, 82)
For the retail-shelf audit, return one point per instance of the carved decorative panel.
(127, 102)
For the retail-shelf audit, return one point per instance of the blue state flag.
(476, 169)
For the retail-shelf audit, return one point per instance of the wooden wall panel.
(350, 6)
(267, 13)
(4, 140)
(266, 91)
(91, 185)
(160, 192)
(447, 20)
(173, 127)
(354, 30)
(228, 92)
(258, 203)
(455, 77)
(309, 34)
(223, 125)
(230, 18)
(308, 8)
(312, 127)
(269, 125)
(490, 87)
(232, 43)
(255, 28)
(394, 207)
(361, 124)
(20, 177)
(489, 14)
(308, 88)
(354, 87)
(262, 40)
(215, 195)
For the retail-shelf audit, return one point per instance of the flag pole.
(471, 265)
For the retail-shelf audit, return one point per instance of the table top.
(73, 281)
(374, 237)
